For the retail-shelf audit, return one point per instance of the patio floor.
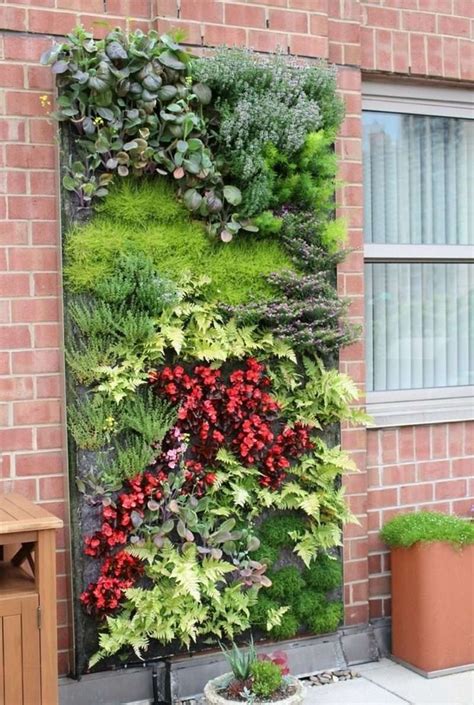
(387, 683)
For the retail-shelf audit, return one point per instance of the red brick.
(30, 156)
(462, 507)
(43, 132)
(455, 440)
(406, 444)
(284, 21)
(400, 52)
(356, 614)
(134, 8)
(313, 5)
(439, 441)
(46, 284)
(352, 54)
(357, 548)
(51, 487)
(49, 437)
(375, 563)
(13, 18)
(34, 208)
(13, 233)
(389, 443)
(96, 6)
(43, 182)
(302, 45)
(16, 182)
(215, 35)
(35, 361)
(416, 493)
(374, 520)
(29, 464)
(422, 442)
(167, 8)
(318, 24)
(451, 57)
(32, 310)
(343, 31)
(16, 439)
(355, 570)
(12, 130)
(451, 489)
(466, 59)
(269, 41)
(51, 22)
(11, 75)
(383, 498)
(433, 470)
(44, 233)
(27, 488)
(457, 26)
(382, 17)
(47, 335)
(203, 11)
(23, 103)
(376, 608)
(398, 474)
(419, 22)
(29, 259)
(36, 412)
(5, 465)
(379, 585)
(13, 388)
(418, 54)
(4, 363)
(13, 285)
(434, 55)
(14, 337)
(48, 387)
(383, 50)
(244, 15)
(463, 467)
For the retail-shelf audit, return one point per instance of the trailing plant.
(135, 109)
(407, 529)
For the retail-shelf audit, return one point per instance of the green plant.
(92, 422)
(287, 628)
(324, 573)
(287, 583)
(174, 244)
(136, 110)
(405, 530)
(262, 101)
(131, 458)
(266, 678)
(327, 619)
(240, 661)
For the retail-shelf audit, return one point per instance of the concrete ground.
(387, 683)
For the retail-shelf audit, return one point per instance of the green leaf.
(192, 199)
(232, 195)
(69, 183)
(203, 93)
(168, 59)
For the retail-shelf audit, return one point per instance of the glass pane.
(418, 179)
(419, 325)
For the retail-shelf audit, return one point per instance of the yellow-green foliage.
(145, 218)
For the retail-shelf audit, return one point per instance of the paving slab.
(353, 692)
(454, 689)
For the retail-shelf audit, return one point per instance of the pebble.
(326, 677)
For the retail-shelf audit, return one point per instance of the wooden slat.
(31, 651)
(12, 660)
(2, 673)
(19, 514)
(46, 584)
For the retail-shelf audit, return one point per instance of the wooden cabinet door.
(20, 673)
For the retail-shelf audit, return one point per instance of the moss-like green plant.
(275, 530)
(287, 584)
(175, 244)
(323, 574)
(287, 628)
(326, 619)
(405, 530)
(266, 678)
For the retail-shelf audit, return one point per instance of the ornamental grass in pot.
(432, 563)
(254, 678)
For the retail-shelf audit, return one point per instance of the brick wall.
(419, 37)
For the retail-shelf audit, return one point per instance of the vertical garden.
(203, 328)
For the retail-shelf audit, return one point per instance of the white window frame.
(440, 404)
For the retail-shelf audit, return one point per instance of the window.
(418, 159)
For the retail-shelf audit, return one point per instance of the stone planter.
(212, 697)
(433, 607)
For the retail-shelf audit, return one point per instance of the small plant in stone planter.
(254, 679)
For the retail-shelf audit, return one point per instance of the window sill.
(424, 406)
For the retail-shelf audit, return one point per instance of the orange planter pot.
(433, 606)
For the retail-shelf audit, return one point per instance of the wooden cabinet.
(28, 646)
